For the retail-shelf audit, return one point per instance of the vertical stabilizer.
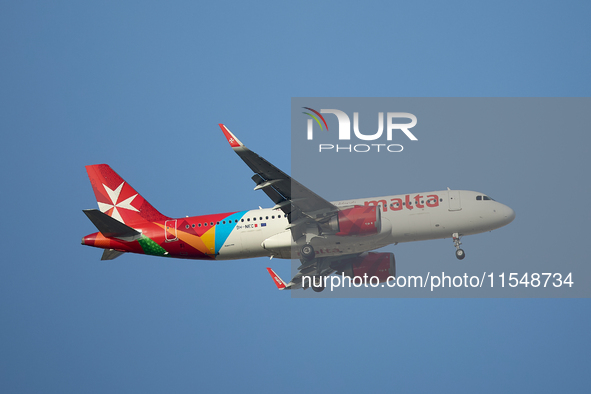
(118, 199)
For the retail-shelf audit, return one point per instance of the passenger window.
(248, 220)
(255, 219)
(205, 224)
(211, 223)
(193, 225)
(266, 217)
(242, 220)
(273, 217)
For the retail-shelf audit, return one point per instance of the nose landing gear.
(460, 254)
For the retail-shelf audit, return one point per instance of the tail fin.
(118, 199)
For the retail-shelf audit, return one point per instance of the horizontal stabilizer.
(111, 228)
(111, 254)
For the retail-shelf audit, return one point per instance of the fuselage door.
(170, 231)
(453, 198)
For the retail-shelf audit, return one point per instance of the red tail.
(118, 199)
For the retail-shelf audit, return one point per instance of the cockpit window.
(486, 198)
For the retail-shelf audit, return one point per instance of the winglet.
(278, 281)
(234, 142)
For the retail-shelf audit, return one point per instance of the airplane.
(327, 237)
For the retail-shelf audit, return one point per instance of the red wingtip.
(234, 142)
(278, 281)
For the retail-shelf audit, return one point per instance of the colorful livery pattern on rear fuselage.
(192, 238)
(203, 237)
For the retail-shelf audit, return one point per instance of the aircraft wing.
(301, 205)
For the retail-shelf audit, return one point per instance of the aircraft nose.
(508, 214)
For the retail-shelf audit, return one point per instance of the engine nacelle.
(359, 220)
(380, 265)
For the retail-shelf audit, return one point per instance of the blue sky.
(142, 86)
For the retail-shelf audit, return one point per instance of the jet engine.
(359, 220)
(380, 265)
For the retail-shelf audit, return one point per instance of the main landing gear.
(460, 254)
(307, 252)
(308, 255)
(318, 283)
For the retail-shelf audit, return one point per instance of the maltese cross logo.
(114, 196)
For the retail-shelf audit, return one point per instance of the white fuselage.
(405, 218)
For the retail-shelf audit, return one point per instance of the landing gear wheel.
(459, 252)
(317, 283)
(308, 252)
